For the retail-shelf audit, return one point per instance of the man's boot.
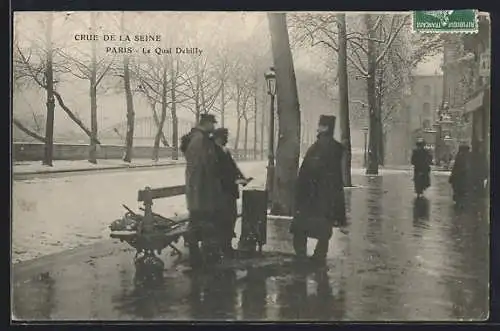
(195, 257)
(320, 251)
(300, 246)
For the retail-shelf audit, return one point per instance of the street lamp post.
(271, 90)
(365, 132)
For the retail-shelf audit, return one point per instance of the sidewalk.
(402, 259)
(59, 166)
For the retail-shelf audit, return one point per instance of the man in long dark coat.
(460, 178)
(230, 176)
(203, 190)
(320, 201)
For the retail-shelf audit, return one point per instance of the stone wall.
(35, 152)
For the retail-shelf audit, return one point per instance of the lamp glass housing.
(271, 81)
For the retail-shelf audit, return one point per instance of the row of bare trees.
(200, 84)
(373, 47)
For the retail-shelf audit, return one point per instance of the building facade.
(477, 105)
(422, 102)
(426, 97)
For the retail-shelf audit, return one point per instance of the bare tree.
(154, 84)
(203, 86)
(174, 77)
(94, 71)
(242, 96)
(41, 71)
(49, 79)
(367, 47)
(345, 128)
(129, 99)
(223, 71)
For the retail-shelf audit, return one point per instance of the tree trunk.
(223, 101)
(255, 126)
(382, 144)
(93, 95)
(173, 112)
(245, 142)
(345, 130)
(238, 123)
(262, 125)
(157, 123)
(129, 137)
(372, 166)
(163, 115)
(197, 95)
(245, 128)
(380, 125)
(287, 154)
(237, 137)
(49, 77)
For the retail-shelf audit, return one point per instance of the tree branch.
(27, 131)
(104, 72)
(73, 117)
(391, 40)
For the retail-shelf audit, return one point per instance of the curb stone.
(21, 173)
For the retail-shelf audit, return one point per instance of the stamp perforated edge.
(468, 31)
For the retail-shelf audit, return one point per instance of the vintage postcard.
(251, 166)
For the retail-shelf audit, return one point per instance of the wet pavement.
(403, 259)
(53, 214)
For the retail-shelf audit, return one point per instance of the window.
(427, 90)
(426, 109)
(426, 124)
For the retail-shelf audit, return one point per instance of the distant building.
(422, 101)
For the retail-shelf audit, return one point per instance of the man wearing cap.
(203, 190)
(230, 176)
(320, 201)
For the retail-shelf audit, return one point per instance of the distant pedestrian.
(320, 201)
(203, 190)
(230, 176)
(421, 160)
(460, 178)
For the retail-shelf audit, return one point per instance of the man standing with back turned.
(320, 201)
(203, 191)
(230, 176)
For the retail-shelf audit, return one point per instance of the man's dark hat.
(221, 133)
(328, 121)
(207, 118)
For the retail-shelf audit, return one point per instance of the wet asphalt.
(401, 259)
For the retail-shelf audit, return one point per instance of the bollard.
(147, 223)
(254, 220)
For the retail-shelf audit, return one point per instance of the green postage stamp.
(445, 21)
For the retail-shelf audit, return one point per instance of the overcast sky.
(209, 31)
(239, 33)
